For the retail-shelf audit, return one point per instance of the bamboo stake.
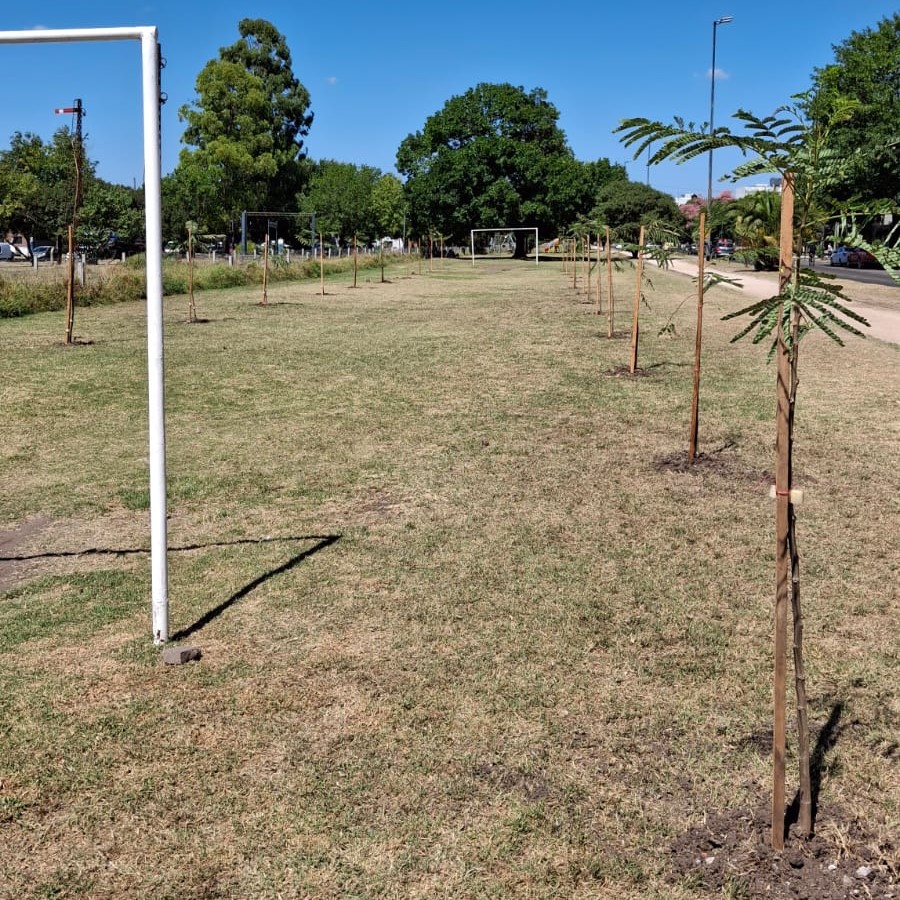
(609, 288)
(698, 341)
(636, 314)
(355, 259)
(782, 519)
(430, 252)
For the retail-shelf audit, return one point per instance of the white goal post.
(150, 64)
(474, 231)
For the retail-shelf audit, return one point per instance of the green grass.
(537, 652)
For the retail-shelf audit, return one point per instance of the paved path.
(884, 320)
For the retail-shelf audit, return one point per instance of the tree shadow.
(217, 611)
(828, 737)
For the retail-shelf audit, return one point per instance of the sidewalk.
(884, 321)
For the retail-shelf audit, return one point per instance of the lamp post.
(712, 105)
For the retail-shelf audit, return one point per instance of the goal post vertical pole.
(155, 371)
(150, 62)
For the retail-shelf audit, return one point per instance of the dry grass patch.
(470, 627)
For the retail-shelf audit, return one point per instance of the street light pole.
(712, 105)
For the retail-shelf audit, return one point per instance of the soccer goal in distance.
(500, 243)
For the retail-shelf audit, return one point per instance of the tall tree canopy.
(247, 125)
(494, 157)
(866, 71)
(341, 196)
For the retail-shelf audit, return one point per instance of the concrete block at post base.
(178, 656)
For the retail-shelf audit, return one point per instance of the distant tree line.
(493, 156)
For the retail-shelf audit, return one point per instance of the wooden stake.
(609, 288)
(804, 818)
(782, 518)
(322, 262)
(265, 296)
(599, 293)
(636, 314)
(192, 306)
(587, 277)
(70, 287)
(575, 263)
(355, 260)
(585, 250)
(698, 341)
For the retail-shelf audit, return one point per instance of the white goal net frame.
(150, 71)
(474, 231)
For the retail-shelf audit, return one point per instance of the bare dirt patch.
(731, 851)
(11, 540)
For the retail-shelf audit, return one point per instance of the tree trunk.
(521, 250)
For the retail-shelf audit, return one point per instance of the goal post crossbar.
(150, 91)
(474, 231)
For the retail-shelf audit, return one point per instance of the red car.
(862, 258)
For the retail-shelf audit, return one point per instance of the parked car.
(44, 251)
(863, 259)
(853, 256)
(724, 249)
(840, 256)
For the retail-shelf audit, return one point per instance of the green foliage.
(627, 205)
(246, 125)
(814, 297)
(787, 143)
(865, 78)
(388, 206)
(341, 195)
(495, 157)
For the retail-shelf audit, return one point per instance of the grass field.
(470, 626)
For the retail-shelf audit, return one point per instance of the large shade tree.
(494, 157)
(246, 125)
(866, 70)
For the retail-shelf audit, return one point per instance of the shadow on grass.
(216, 611)
(828, 737)
(132, 551)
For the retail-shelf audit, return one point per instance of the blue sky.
(376, 71)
